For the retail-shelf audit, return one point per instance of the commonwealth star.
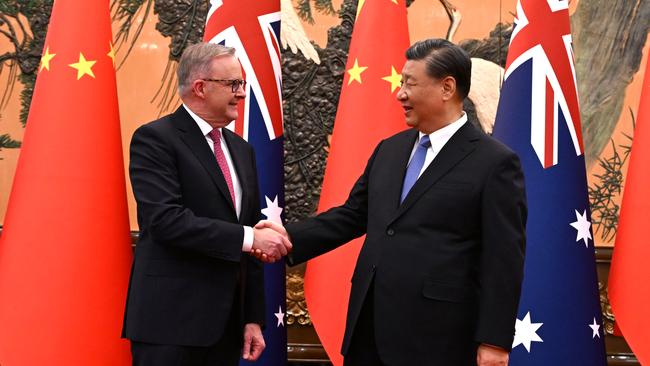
(526, 332)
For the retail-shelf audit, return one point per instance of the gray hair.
(195, 62)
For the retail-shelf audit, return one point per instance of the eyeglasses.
(233, 83)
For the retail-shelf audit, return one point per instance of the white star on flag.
(272, 210)
(526, 332)
(595, 328)
(280, 316)
(583, 226)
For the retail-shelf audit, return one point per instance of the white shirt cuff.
(248, 239)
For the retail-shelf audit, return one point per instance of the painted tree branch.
(609, 36)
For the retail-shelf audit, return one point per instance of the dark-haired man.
(443, 208)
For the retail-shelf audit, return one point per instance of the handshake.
(271, 241)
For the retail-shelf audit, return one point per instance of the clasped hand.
(271, 241)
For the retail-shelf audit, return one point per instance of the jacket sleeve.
(503, 223)
(335, 227)
(155, 180)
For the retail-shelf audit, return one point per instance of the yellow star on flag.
(83, 67)
(394, 79)
(111, 53)
(46, 58)
(355, 72)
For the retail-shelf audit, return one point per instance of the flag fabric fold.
(254, 33)
(367, 113)
(559, 319)
(629, 290)
(65, 250)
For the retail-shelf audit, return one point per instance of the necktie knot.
(215, 135)
(425, 142)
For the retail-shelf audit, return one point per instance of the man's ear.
(448, 87)
(198, 88)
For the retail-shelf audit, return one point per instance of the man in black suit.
(195, 297)
(443, 207)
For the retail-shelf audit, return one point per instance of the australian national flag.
(252, 27)
(559, 319)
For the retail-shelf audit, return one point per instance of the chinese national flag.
(65, 250)
(367, 113)
(629, 289)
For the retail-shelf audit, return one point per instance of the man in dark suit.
(438, 278)
(195, 297)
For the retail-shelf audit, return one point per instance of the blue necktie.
(413, 170)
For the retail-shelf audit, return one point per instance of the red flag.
(65, 250)
(629, 289)
(367, 113)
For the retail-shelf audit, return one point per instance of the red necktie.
(215, 135)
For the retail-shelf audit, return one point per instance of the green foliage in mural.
(21, 63)
(607, 186)
(304, 9)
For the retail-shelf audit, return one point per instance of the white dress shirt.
(438, 140)
(205, 130)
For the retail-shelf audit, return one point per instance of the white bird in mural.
(485, 90)
(293, 35)
(486, 77)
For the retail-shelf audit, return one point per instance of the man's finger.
(247, 347)
(261, 224)
(287, 243)
(282, 248)
(256, 351)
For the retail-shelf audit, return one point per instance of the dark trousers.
(226, 352)
(363, 348)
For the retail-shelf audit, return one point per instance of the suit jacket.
(189, 275)
(447, 263)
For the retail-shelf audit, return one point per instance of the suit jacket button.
(390, 232)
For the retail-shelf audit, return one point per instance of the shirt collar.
(203, 125)
(440, 137)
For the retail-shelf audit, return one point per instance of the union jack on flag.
(559, 320)
(542, 33)
(252, 27)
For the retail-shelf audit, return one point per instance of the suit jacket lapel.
(456, 149)
(194, 139)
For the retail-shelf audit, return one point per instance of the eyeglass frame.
(235, 84)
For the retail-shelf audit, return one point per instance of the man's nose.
(401, 94)
(241, 92)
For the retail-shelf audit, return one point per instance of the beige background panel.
(141, 75)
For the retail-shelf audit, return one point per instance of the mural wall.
(610, 44)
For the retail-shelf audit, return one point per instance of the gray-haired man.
(196, 297)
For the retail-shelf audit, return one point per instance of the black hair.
(443, 59)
